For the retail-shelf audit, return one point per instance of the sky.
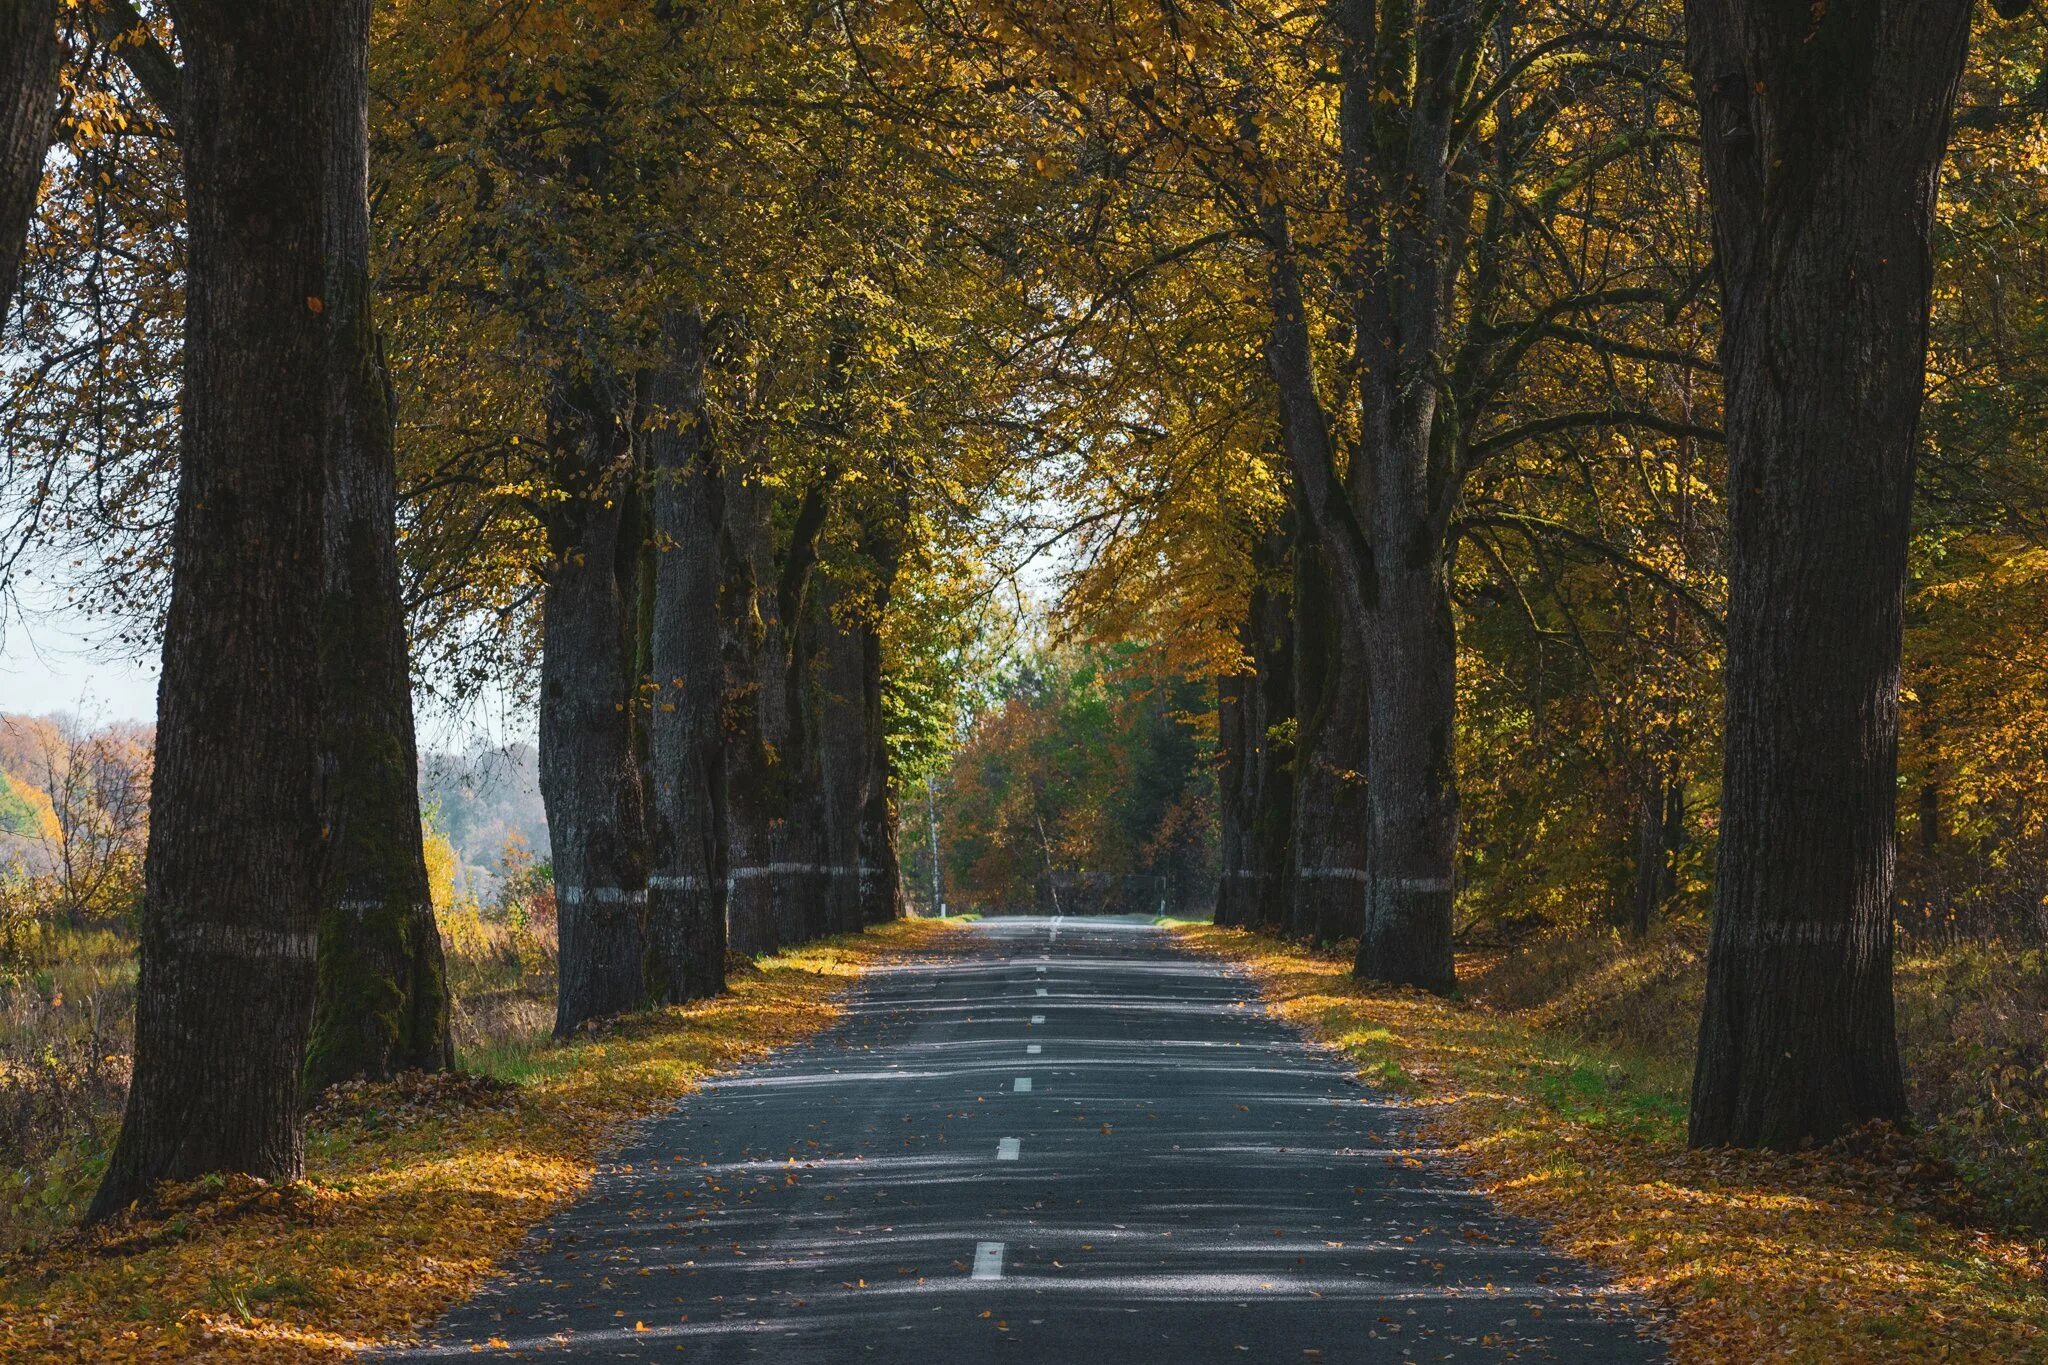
(58, 661)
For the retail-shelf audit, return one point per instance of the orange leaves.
(1839, 1254)
(398, 1220)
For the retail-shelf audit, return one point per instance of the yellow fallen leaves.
(1757, 1257)
(394, 1223)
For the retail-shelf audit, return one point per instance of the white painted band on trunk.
(1248, 872)
(243, 940)
(599, 895)
(1432, 885)
(359, 908)
(988, 1260)
(1349, 874)
(791, 870)
(1007, 1149)
(667, 881)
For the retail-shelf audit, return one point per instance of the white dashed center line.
(1008, 1148)
(1037, 1018)
(988, 1260)
(1042, 991)
(1032, 1049)
(1023, 1086)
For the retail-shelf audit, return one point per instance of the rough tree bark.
(1383, 527)
(1270, 836)
(29, 54)
(835, 782)
(238, 859)
(1824, 129)
(686, 889)
(760, 740)
(1332, 827)
(881, 870)
(1256, 780)
(382, 999)
(589, 706)
(1234, 782)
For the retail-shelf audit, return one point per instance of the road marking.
(1041, 971)
(988, 1260)
(1042, 990)
(1032, 1049)
(1037, 1018)
(1023, 1086)
(1008, 1148)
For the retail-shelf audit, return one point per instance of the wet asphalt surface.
(1049, 1140)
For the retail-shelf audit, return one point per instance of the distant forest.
(481, 798)
(1088, 785)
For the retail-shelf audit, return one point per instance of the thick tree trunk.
(238, 858)
(832, 643)
(1332, 817)
(382, 1000)
(1270, 834)
(686, 889)
(1255, 780)
(589, 707)
(757, 722)
(29, 54)
(1235, 787)
(881, 870)
(1412, 681)
(1824, 129)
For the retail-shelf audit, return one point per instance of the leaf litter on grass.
(414, 1190)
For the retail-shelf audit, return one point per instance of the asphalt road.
(1052, 1140)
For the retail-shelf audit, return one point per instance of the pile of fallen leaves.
(414, 1097)
(1869, 1248)
(414, 1189)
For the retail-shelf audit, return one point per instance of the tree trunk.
(1270, 834)
(756, 720)
(589, 706)
(1824, 129)
(1255, 781)
(1387, 580)
(381, 1005)
(686, 890)
(1412, 681)
(29, 54)
(1332, 819)
(881, 870)
(1236, 786)
(839, 720)
(238, 858)
(1660, 825)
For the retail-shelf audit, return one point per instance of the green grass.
(519, 1061)
(17, 816)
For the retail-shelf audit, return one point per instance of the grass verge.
(1859, 1252)
(413, 1190)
